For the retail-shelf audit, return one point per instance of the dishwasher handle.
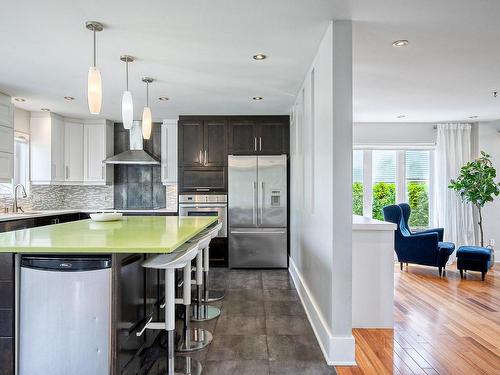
(66, 263)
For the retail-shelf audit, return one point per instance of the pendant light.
(146, 114)
(94, 83)
(127, 103)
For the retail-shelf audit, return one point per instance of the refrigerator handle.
(260, 143)
(254, 184)
(200, 157)
(262, 203)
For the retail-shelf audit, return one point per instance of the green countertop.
(134, 234)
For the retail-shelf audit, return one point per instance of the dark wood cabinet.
(206, 141)
(258, 135)
(215, 153)
(191, 142)
(242, 136)
(202, 142)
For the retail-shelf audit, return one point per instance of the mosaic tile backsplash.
(61, 197)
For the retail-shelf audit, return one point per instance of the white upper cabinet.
(6, 139)
(98, 145)
(169, 151)
(47, 148)
(73, 154)
(69, 151)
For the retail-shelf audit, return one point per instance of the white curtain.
(453, 149)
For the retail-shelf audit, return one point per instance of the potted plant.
(476, 185)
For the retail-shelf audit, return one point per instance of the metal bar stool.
(193, 338)
(210, 295)
(170, 262)
(201, 311)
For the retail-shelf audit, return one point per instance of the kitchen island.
(373, 273)
(134, 293)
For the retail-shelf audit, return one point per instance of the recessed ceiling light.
(401, 116)
(22, 100)
(257, 98)
(400, 43)
(45, 109)
(259, 56)
(163, 98)
(69, 98)
(473, 116)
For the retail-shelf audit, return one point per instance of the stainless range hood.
(136, 154)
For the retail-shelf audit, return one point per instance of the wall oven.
(205, 205)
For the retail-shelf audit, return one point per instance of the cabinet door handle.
(205, 163)
(255, 144)
(200, 157)
(260, 143)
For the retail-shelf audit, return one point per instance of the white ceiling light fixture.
(473, 117)
(259, 56)
(401, 116)
(20, 100)
(127, 102)
(94, 82)
(163, 98)
(400, 43)
(45, 109)
(147, 122)
(257, 98)
(69, 98)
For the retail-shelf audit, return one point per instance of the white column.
(342, 342)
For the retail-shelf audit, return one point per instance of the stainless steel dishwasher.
(65, 313)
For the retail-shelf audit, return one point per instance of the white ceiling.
(200, 53)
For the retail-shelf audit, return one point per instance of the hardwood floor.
(442, 326)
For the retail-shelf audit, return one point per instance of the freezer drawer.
(258, 248)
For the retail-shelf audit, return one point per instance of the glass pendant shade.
(127, 110)
(94, 90)
(146, 123)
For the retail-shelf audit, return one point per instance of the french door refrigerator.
(257, 201)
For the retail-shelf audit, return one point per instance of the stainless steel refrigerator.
(257, 201)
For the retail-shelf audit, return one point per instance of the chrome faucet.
(15, 206)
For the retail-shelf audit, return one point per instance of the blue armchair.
(405, 207)
(417, 248)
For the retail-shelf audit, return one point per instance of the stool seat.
(473, 258)
(176, 259)
(214, 231)
(202, 239)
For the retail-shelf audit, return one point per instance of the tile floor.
(262, 329)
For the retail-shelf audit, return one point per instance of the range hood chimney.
(136, 154)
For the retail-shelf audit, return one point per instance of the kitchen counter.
(43, 213)
(373, 267)
(139, 234)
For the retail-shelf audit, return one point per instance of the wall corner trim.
(337, 350)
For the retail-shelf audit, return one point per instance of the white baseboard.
(338, 351)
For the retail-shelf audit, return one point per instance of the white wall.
(22, 121)
(394, 133)
(321, 173)
(489, 141)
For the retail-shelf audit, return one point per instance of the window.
(357, 182)
(384, 177)
(383, 181)
(21, 167)
(417, 187)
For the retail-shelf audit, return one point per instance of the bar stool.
(170, 262)
(193, 338)
(201, 311)
(210, 295)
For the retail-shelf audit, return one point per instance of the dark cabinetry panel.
(202, 179)
(272, 136)
(6, 356)
(215, 153)
(191, 148)
(242, 138)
